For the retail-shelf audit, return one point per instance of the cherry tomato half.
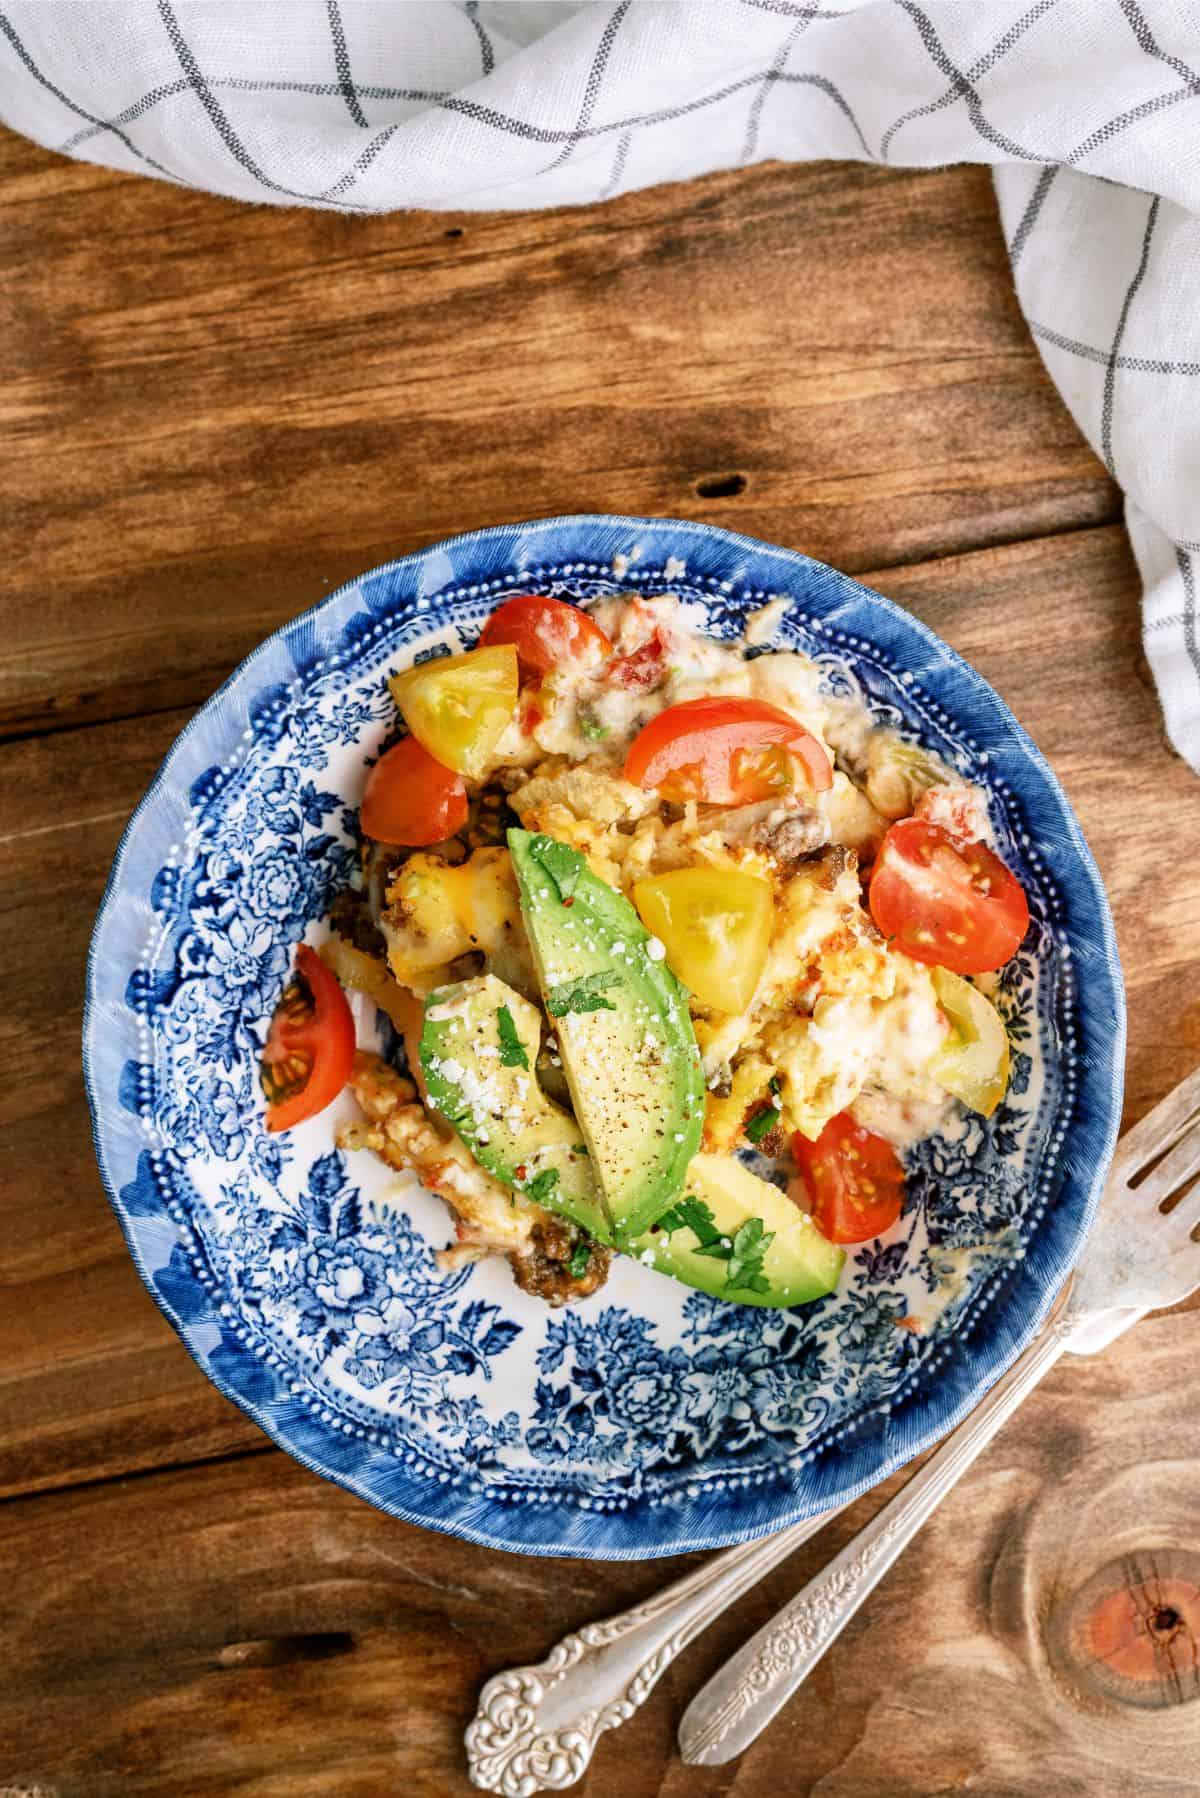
(545, 632)
(854, 1179)
(411, 799)
(952, 904)
(725, 751)
(310, 1049)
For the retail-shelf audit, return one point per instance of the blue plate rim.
(369, 1483)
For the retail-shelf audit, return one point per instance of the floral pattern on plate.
(649, 1418)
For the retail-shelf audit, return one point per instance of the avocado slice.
(732, 1215)
(624, 1031)
(526, 1141)
(478, 1053)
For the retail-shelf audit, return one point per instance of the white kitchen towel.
(1089, 111)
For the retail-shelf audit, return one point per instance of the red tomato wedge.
(726, 752)
(545, 632)
(854, 1179)
(310, 1049)
(952, 904)
(411, 799)
(642, 668)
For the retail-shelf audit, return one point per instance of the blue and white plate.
(647, 1420)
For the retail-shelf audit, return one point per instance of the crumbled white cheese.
(962, 810)
(655, 950)
(760, 625)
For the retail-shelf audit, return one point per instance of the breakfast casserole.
(684, 951)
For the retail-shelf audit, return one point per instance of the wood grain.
(214, 413)
(282, 1640)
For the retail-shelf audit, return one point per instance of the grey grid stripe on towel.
(1089, 111)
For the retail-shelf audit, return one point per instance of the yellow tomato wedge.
(458, 707)
(973, 1061)
(715, 924)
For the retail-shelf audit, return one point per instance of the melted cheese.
(837, 1020)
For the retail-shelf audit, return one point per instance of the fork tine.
(1173, 1171)
(1158, 1130)
(1186, 1215)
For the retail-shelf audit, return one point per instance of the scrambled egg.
(836, 1020)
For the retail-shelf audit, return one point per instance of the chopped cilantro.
(746, 1257)
(590, 726)
(776, 1085)
(743, 1256)
(583, 995)
(542, 1185)
(762, 1123)
(581, 1256)
(512, 1050)
(580, 1148)
(562, 865)
(694, 1215)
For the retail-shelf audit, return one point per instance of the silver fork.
(1143, 1253)
(537, 1726)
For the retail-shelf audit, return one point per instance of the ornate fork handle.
(740, 1700)
(536, 1727)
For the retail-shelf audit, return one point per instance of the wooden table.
(214, 414)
